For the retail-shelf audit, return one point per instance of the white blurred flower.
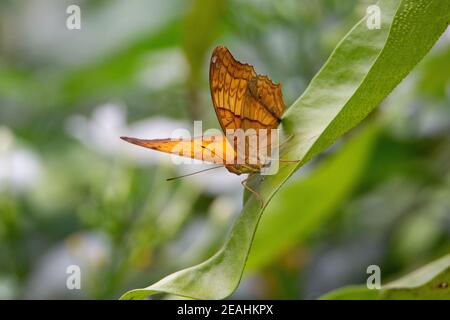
(89, 251)
(102, 132)
(215, 181)
(222, 209)
(108, 123)
(163, 68)
(20, 168)
(125, 21)
(9, 288)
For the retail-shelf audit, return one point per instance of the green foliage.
(363, 69)
(428, 282)
(71, 192)
(319, 194)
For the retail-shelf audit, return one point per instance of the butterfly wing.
(228, 80)
(263, 104)
(242, 99)
(212, 149)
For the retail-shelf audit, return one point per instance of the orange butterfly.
(242, 100)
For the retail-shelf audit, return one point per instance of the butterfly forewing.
(228, 80)
(212, 149)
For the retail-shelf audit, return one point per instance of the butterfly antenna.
(215, 154)
(191, 174)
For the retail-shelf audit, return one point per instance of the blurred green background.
(71, 192)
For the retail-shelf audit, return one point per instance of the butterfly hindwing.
(242, 99)
(228, 80)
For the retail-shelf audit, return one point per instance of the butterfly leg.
(246, 186)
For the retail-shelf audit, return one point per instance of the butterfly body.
(244, 169)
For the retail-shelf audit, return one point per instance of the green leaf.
(335, 178)
(363, 69)
(352, 293)
(429, 282)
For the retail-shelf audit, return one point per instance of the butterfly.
(243, 100)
